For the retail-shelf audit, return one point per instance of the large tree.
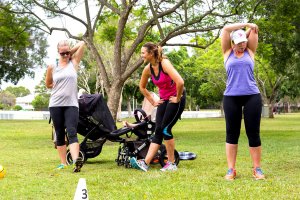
(7, 100)
(22, 45)
(278, 51)
(19, 91)
(128, 24)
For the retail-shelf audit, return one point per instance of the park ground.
(27, 153)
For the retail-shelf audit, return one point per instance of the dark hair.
(156, 50)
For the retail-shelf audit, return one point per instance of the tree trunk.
(119, 112)
(271, 114)
(222, 109)
(191, 99)
(129, 108)
(114, 99)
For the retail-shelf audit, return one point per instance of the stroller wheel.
(70, 159)
(163, 157)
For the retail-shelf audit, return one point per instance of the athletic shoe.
(258, 173)
(77, 165)
(231, 174)
(133, 163)
(139, 164)
(169, 167)
(61, 166)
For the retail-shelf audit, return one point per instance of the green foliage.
(22, 46)
(200, 20)
(203, 73)
(187, 68)
(212, 74)
(279, 42)
(41, 102)
(279, 29)
(19, 91)
(268, 80)
(109, 33)
(41, 87)
(131, 88)
(290, 88)
(18, 107)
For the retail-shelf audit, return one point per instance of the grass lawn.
(27, 153)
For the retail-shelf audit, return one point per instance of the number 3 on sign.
(84, 194)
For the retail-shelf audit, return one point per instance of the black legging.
(167, 115)
(65, 119)
(234, 107)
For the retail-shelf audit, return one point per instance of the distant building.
(25, 102)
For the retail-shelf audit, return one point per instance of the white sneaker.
(169, 167)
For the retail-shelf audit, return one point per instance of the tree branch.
(254, 10)
(88, 18)
(97, 17)
(67, 31)
(111, 7)
(144, 29)
(156, 19)
(30, 13)
(60, 12)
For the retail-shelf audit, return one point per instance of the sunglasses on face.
(65, 53)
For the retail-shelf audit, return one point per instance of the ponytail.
(156, 50)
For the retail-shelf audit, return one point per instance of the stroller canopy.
(95, 106)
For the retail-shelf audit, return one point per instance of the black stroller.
(138, 147)
(96, 124)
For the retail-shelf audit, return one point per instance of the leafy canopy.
(22, 46)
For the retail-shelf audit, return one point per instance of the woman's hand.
(157, 103)
(173, 99)
(253, 27)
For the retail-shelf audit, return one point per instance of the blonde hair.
(156, 50)
(63, 43)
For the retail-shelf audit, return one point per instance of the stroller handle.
(140, 115)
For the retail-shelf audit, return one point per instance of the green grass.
(27, 153)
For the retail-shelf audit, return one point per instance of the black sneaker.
(77, 165)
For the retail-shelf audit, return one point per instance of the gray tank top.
(64, 91)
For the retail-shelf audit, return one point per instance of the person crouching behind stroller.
(169, 107)
(63, 105)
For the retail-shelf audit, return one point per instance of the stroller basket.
(95, 144)
(92, 149)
